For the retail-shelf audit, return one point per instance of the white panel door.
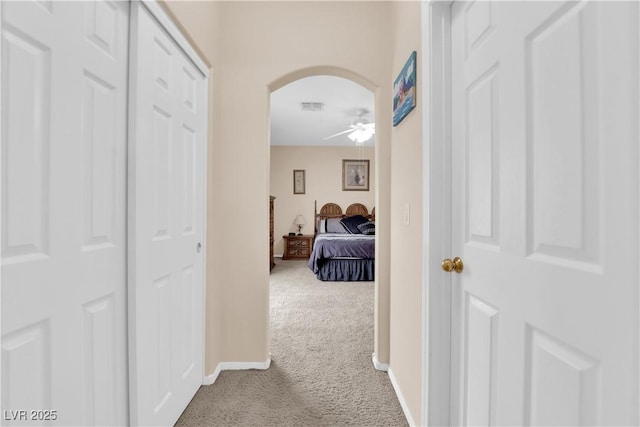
(545, 212)
(167, 158)
(64, 135)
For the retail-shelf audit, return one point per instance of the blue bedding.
(347, 270)
(330, 247)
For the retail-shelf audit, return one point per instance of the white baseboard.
(379, 366)
(403, 403)
(210, 379)
(234, 366)
(241, 366)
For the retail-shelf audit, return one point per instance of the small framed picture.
(298, 181)
(355, 175)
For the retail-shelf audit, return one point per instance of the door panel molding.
(437, 200)
(568, 214)
(64, 106)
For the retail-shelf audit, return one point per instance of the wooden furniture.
(333, 210)
(271, 263)
(297, 247)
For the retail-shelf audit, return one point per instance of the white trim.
(210, 379)
(637, 355)
(426, 58)
(436, 239)
(234, 366)
(241, 366)
(1, 172)
(379, 366)
(205, 180)
(170, 27)
(403, 403)
(132, 123)
(205, 189)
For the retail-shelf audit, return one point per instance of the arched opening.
(322, 71)
(357, 152)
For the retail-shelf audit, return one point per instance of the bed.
(344, 243)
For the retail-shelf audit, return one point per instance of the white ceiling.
(343, 100)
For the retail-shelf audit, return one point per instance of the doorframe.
(165, 20)
(380, 353)
(438, 401)
(1, 183)
(638, 135)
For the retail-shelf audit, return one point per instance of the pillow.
(334, 226)
(367, 228)
(323, 226)
(351, 223)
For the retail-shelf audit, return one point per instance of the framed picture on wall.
(298, 181)
(404, 90)
(355, 175)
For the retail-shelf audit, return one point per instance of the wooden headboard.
(333, 210)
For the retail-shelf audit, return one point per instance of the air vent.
(312, 106)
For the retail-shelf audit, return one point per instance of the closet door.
(167, 155)
(64, 115)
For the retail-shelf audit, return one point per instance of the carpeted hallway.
(321, 372)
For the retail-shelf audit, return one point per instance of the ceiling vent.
(312, 106)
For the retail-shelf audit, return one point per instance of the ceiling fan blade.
(337, 134)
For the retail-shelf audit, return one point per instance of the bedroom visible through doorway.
(322, 128)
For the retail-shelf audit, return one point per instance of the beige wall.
(323, 171)
(406, 240)
(256, 47)
(267, 41)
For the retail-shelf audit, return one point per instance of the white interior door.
(64, 115)
(545, 212)
(167, 155)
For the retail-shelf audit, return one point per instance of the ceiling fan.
(360, 130)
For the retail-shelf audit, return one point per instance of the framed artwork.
(404, 90)
(355, 175)
(298, 181)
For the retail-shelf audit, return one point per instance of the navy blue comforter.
(330, 245)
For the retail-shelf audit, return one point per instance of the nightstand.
(297, 247)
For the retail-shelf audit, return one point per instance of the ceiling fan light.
(361, 135)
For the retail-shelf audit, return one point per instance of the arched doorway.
(381, 299)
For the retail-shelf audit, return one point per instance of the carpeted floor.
(321, 372)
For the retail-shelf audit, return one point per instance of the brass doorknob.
(452, 265)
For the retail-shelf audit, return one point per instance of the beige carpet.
(321, 372)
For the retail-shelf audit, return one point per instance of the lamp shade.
(299, 220)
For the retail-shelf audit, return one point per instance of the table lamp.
(300, 222)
